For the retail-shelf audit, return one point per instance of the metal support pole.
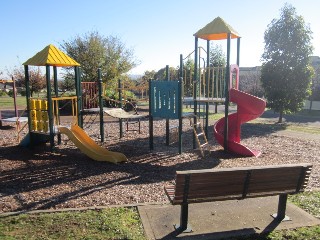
(227, 81)
(56, 92)
(282, 205)
(167, 73)
(195, 80)
(150, 119)
(120, 99)
(100, 105)
(180, 115)
(167, 120)
(181, 67)
(26, 73)
(181, 77)
(50, 107)
(184, 212)
(207, 69)
(55, 81)
(238, 51)
(14, 98)
(207, 119)
(79, 95)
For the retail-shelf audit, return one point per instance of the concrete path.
(222, 219)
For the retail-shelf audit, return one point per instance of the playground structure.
(43, 114)
(249, 107)
(207, 85)
(210, 83)
(165, 101)
(123, 108)
(228, 129)
(20, 121)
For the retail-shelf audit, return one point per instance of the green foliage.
(189, 64)
(3, 93)
(309, 201)
(217, 56)
(68, 84)
(286, 74)
(147, 76)
(188, 71)
(10, 93)
(161, 74)
(22, 92)
(112, 99)
(315, 96)
(94, 51)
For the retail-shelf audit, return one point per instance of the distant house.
(5, 86)
(315, 62)
(249, 80)
(250, 77)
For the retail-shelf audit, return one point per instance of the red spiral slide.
(249, 107)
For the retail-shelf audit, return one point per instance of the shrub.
(3, 93)
(10, 93)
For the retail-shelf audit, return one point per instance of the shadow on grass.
(261, 129)
(303, 117)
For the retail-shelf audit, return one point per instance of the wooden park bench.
(207, 185)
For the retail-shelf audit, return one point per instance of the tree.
(93, 51)
(37, 79)
(147, 76)
(68, 84)
(217, 56)
(188, 71)
(286, 74)
(161, 74)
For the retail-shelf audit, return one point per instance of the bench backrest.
(237, 183)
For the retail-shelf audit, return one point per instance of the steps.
(201, 139)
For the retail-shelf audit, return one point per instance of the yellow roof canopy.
(5, 81)
(218, 29)
(51, 56)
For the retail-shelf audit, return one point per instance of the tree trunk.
(280, 116)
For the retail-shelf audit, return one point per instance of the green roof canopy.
(51, 56)
(218, 29)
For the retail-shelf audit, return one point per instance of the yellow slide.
(90, 147)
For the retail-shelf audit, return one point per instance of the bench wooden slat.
(196, 186)
(211, 184)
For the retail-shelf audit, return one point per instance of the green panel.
(165, 99)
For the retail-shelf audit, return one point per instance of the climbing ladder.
(201, 139)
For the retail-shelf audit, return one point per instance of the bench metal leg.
(183, 226)
(282, 205)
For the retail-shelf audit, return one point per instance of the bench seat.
(207, 185)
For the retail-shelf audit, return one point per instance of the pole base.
(177, 227)
(285, 219)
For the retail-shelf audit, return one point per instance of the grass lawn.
(124, 223)
(111, 223)
(8, 103)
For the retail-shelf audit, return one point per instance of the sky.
(157, 31)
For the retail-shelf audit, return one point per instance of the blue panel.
(165, 99)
